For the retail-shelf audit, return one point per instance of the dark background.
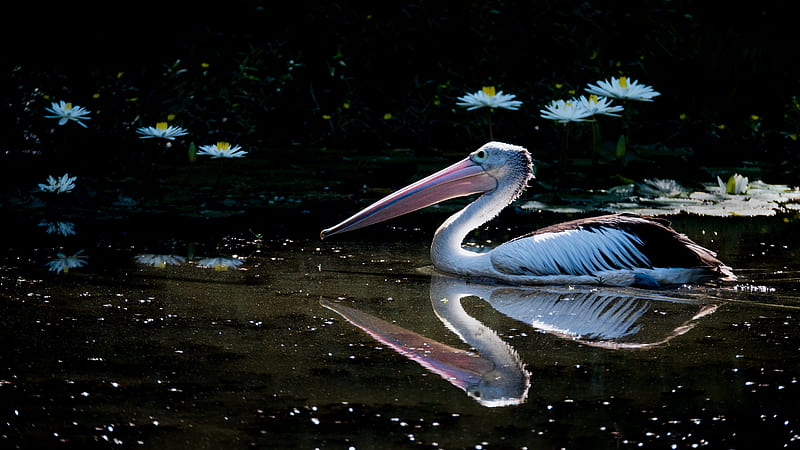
(386, 75)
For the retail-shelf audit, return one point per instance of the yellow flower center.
(489, 90)
(223, 146)
(593, 99)
(68, 106)
(161, 126)
(623, 82)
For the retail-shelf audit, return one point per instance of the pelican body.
(616, 250)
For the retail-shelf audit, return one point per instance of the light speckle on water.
(183, 357)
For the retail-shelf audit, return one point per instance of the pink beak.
(462, 178)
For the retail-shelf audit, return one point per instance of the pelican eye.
(479, 156)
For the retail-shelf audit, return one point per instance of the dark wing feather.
(656, 245)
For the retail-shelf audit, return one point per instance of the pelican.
(614, 250)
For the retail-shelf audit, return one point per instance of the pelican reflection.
(490, 370)
(614, 318)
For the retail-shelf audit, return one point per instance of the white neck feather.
(447, 254)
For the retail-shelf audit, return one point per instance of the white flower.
(220, 263)
(595, 105)
(565, 111)
(487, 97)
(658, 187)
(66, 112)
(62, 228)
(62, 262)
(159, 261)
(623, 89)
(736, 184)
(161, 130)
(61, 185)
(222, 150)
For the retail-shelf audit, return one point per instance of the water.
(355, 342)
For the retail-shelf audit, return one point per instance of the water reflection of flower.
(62, 262)
(59, 185)
(67, 112)
(220, 263)
(58, 227)
(222, 150)
(160, 261)
(622, 88)
(162, 130)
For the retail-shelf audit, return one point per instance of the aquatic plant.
(222, 150)
(623, 89)
(736, 184)
(665, 197)
(659, 187)
(162, 130)
(489, 98)
(565, 111)
(67, 112)
(59, 185)
(582, 109)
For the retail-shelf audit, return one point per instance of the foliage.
(388, 75)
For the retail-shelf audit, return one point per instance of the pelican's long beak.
(460, 179)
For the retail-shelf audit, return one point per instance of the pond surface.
(355, 342)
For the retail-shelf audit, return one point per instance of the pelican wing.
(587, 246)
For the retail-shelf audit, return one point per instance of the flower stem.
(564, 145)
(219, 171)
(491, 134)
(594, 141)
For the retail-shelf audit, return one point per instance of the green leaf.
(621, 147)
(192, 152)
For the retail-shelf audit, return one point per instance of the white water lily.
(62, 262)
(597, 105)
(624, 89)
(735, 185)
(222, 150)
(658, 187)
(487, 97)
(162, 130)
(65, 112)
(59, 185)
(564, 111)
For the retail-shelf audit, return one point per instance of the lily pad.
(664, 197)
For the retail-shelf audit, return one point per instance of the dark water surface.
(354, 342)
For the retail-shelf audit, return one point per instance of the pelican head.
(494, 166)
